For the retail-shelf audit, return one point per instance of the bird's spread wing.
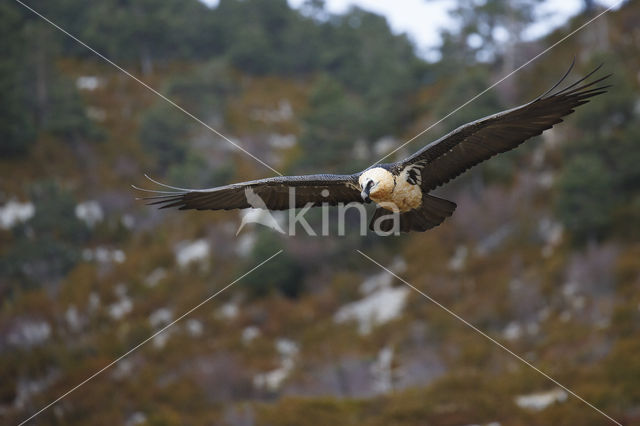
(472, 143)
(271, 193)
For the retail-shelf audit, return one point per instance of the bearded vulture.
(402, 187)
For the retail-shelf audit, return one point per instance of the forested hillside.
(542, 253)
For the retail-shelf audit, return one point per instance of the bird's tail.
(430, 214)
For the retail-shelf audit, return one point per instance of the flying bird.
(402, 187)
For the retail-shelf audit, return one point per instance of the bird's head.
(376, 184)
(366, 190)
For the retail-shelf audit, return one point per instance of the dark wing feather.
(472, 143)
(272, 193)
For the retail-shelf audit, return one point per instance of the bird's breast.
(405, 196)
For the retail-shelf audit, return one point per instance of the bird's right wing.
(276, 193)
(468, 145)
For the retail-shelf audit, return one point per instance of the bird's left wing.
(276, 193)
(472, 143)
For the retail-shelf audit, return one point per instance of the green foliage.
(597, 189)
(464, 86)
(163, 134)
(16, 126)
(486, 29)
(283, 274)
(194, 172)
(10, 378)
(34, 263)
(48, 245)
(145, 31)
(331, 127)
(206, 89)
(55, 214)
(586, 201)
(361, 53)
(266, 37)
(67, 118)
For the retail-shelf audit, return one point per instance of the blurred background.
(542, 253)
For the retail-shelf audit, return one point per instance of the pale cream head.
(383, 183)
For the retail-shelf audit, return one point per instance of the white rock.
(118, 256)
(120, 308)
(73, 318)
(383, 279)
(377, 308)
(123, 306)
(515, 330)
(249, 333)
(88, 82)
(15, 212)
(286, 348)
(541, 400)
(375, 282)
(104, 255)
(123, 369)
(494, 240)
(282, 141)
(194, 327)
(128, 221)
(136, 418)
(459, 258)
(399, 265)
(29, 333)
(89, 212)
(192, 251)
(382, 303)
(96, 114)
(160, 317)
(228, 311)
(155, 277)
(283, 112)
(546, 179)
(160, 341)
(26, 388)
(94, 301)
(512, 331)
(551, 233)
(272, 380)
(381, 371)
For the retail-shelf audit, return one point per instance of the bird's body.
(393, 190)
(402, 187)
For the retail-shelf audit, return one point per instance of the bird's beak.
(365, 195)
